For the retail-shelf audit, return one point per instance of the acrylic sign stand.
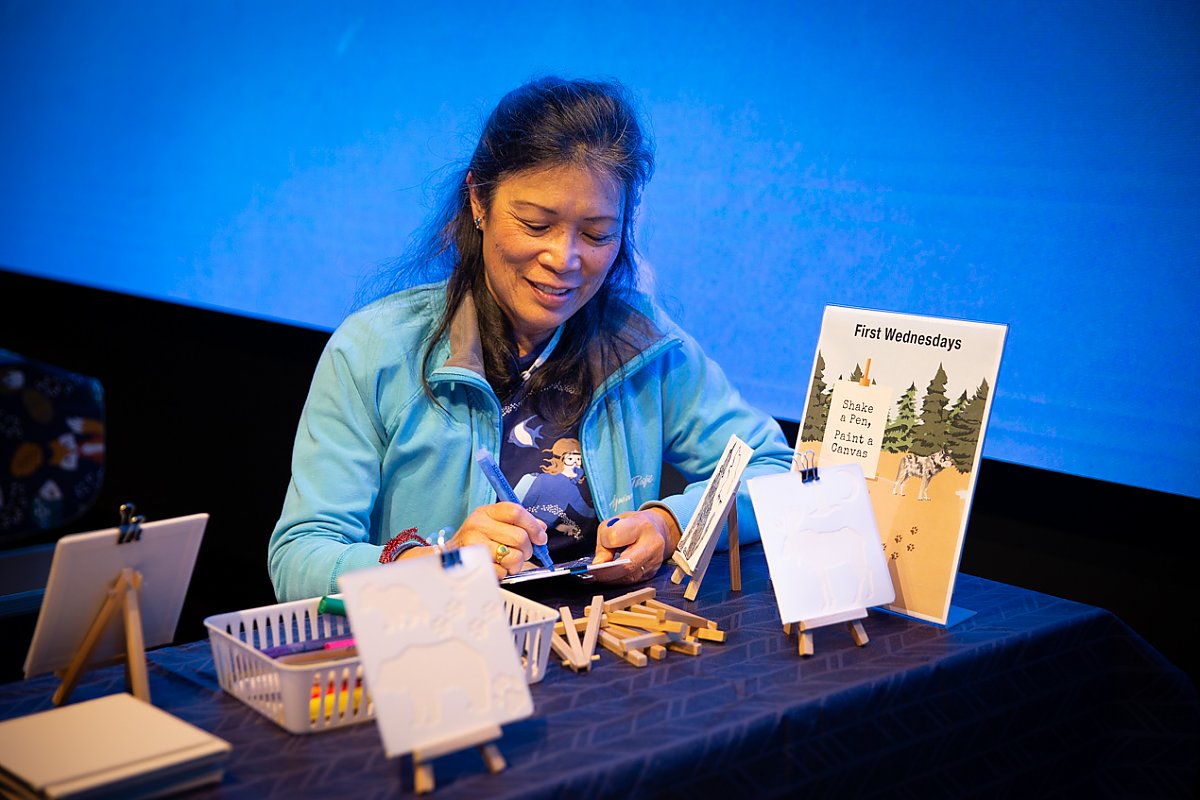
(438, 656)
(718, 504)
(823, 548)
(136, 573)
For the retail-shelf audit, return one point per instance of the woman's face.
(549, 239)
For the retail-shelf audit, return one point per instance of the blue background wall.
(1032, 164)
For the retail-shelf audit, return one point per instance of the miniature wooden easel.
(853, 620)
(485, 739)
(806, 465)
(123, 595)
(370, 597)
(695, 576)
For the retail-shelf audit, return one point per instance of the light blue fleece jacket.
(374, 455)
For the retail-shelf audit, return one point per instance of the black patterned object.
(1032, 695)
(51, 445)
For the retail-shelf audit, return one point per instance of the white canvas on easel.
(83, 572)
(438, 655)
(822, 545)
(717, 504)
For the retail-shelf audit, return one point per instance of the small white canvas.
(437, 650)
(822, 544)
(84, 569)
(112, 746)
(700, 537)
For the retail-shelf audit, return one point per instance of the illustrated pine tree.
(898, 435)
(931, 435)
(957, 409)
(817, 413)
(965, 428)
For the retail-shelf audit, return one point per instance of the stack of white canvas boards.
(113, 746)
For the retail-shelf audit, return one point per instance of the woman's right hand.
(507, 530)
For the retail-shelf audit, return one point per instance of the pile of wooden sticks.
(634, 626)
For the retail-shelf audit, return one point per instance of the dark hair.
(547, 122)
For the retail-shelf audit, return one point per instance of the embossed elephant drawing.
(832, 569)
(463, 688)
(832, 561)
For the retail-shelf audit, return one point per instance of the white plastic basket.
(306, 698)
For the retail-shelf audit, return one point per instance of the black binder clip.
(808, 467)
(130, 529)
(450, 555)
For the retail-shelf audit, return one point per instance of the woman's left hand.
(647, 538)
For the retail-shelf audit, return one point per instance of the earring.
(478, 222)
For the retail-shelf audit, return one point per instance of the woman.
(530, 332)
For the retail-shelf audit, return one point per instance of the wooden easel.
(853, 620)
(123, 595)
(735, 557)
(485, 739)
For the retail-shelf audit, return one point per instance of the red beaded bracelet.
(397, 543)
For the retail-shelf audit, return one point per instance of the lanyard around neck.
(545, 354)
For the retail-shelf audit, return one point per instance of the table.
(1032, 694)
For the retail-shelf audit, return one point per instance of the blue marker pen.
(491, 471)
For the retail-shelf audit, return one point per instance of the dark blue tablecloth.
(1032, 694)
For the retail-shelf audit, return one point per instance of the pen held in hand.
(491, 471)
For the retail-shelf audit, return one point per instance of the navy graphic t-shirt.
(544, 465)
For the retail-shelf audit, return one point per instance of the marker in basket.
(336, 643)
(491, 471)
(319, 656)
(332, 605)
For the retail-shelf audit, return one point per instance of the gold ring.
(501, 552)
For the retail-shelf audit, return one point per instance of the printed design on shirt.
(525, 435)
(555, 494)
(543, 460)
